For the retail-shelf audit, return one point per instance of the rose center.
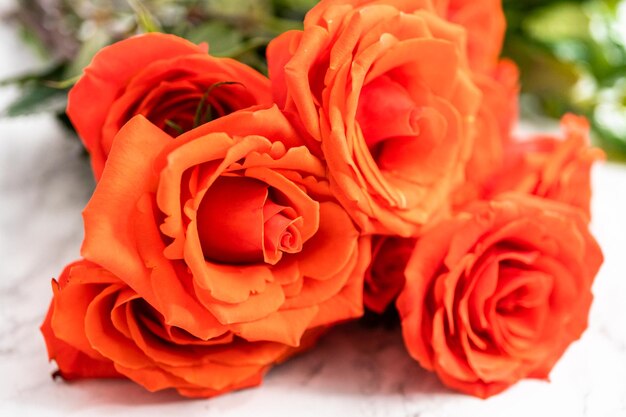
(178, 107)
(386, 111)
(522, 302)
(243, 220)
(400, 127)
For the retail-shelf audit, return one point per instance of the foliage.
(572, 53)
(573, 58)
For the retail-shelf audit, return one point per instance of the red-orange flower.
(97, 326)
(229, 234)
(386, 89)
(384, 278)
(557, 168)
(497, 80)
(495, 121)
(172, 82)
(485, 24)
(497, 293)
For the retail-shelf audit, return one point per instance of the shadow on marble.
(352, 360)
(358, 359)
(115, 392)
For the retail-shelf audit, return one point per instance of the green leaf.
(175, 126)
(145, 20)
(614, 146)
(33, 40)
(204, 115)
(87, 51)
(609, 117)
(277, 25)
(49, 73)
(37, 98)
(542, 73)
(63, 84)
(293, 8)
(251, 9)
(248, 46)
(39, 92)
(558, 22)
(221, 37)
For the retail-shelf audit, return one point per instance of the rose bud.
(172, 82)
(386, 91)
(227, 234)
(497, 293)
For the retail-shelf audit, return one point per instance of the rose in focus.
(223, 234)
(498, 292)
(98, 327)
(227, 232)
(172, 82)
(386, 90)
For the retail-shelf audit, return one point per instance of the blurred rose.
(557, 168)
(497, 80)
(485, 24)
(495, 121)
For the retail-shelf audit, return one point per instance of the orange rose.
(228, 234)
(551, 167)
(497, 293)
(499, 108)
(99, 327)
(172, 82)
(386, 90)
(384, 278)
(494, 124)
(497, 80)
(485, 24)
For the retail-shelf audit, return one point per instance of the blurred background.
(572, 54)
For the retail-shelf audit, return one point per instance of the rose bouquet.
(236, 218)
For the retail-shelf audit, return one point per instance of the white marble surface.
(44, 183)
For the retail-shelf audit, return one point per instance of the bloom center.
(241, 220)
